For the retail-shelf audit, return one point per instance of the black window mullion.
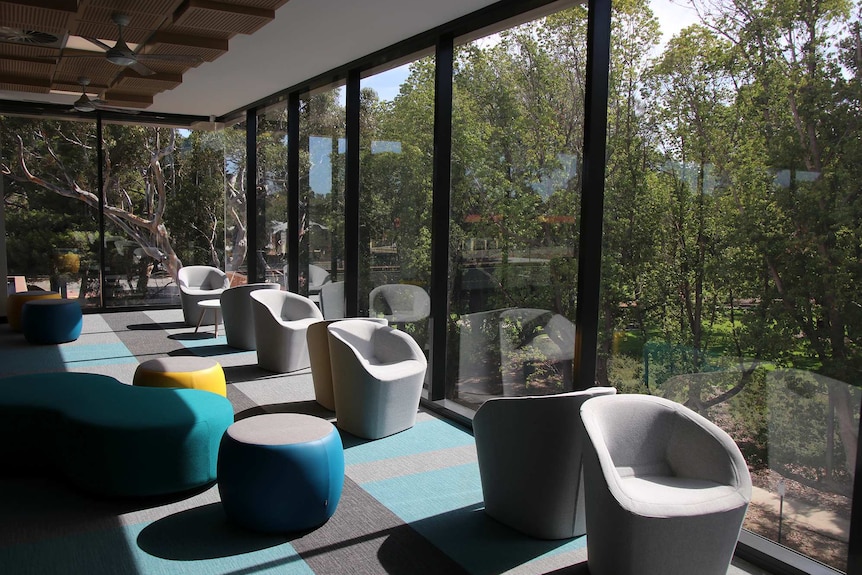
(100, 181)
(440, 217)
(293, 217)
(251, 193)
(351, 197)
(592, 192)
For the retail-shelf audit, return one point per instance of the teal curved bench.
(110, 438)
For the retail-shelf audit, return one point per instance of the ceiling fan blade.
(141, 69)
(97, 42)
(171, 58)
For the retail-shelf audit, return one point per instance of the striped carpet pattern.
(412, 502)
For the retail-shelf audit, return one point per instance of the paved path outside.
(803, 514)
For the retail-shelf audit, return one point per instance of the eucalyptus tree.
(634, 205)
(799, 102)
(59, 157)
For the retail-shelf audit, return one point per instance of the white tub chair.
(666, 489)
(198, 283)
(281, 319)
(377, 377)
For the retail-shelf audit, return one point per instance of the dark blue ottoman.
(51, 320)
(280, 472)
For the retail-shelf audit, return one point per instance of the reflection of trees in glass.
(321, 183)
(272, 193)
(740, 187)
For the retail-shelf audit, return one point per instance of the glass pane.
(730, 277)
(140, 174)
(321, 182)
(272, 195)
(517, 138)
(397, 118)
(52, 222)
(195, 211)
(235, 216)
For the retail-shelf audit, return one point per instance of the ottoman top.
(50, 302)
(181, 363)
(280, 429)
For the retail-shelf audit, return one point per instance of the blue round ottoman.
(51, 320)
(280, 472)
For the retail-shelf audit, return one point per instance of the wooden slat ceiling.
(36, 38)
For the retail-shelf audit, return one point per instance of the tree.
(141, 218)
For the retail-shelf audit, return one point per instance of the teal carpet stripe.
(424, 495)
(425, 436)
(116, 551)
(99, 354)
(62, 357)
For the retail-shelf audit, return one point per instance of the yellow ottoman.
(16, 301)
(185, 372)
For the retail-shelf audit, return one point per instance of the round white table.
(207, 304)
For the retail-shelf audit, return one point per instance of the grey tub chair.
(332, 303)
(237, 314)
(281, 319)
(529, 450)
(198, 283)
(667, 490)
(377, 377)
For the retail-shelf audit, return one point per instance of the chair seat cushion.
(669, 496)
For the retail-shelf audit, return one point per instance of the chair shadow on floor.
(485, 547)
(156, 326)
(202, 533)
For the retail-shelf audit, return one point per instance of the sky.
(673, 15)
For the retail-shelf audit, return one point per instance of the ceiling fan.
(121, 55)
(88, 104)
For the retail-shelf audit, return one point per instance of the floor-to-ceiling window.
(516, 146)
(139, 174)
(236, 238)
(272, 229)
(195, 212)
(396, 134)
(322, 149)
(730, 276)
(52, 206)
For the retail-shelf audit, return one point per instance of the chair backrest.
(202, 277)
(392, 299)
(287, 306)
(356, 334)
(650, 435)
(377, 342)
(392, 345)
(236, 303)
(562, 332)
(332, 302)
(240, 293)
(518, 326)
(540, 410)
(317, 276)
